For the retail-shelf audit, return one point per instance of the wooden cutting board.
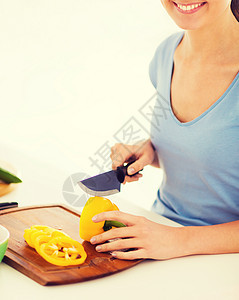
(26, 260)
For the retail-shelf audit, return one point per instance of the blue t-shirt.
(200, 158)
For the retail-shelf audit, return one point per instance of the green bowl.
(4, 236)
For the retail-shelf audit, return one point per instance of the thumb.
(137, 166)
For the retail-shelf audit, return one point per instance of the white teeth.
(188, 7)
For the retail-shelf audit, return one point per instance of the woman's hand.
(143, 153)
(144, 238)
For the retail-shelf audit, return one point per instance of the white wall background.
(72, 73)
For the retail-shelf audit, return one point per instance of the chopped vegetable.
(62, 251)
(30, 234)
(55, 246)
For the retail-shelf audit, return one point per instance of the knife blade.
(107, 183)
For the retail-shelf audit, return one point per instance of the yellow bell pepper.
(94, 206)
(30, 234)
(61, 251)
(27, 236)
(55, 246)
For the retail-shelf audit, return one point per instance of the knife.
(107, 183)
(6, 205)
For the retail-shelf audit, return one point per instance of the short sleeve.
(159, 62)
(153, 69)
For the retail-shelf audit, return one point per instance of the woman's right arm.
(143, 153)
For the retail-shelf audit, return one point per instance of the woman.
(197, 145)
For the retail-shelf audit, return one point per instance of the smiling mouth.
(188, 8)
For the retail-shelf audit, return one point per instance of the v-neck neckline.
(207, 110)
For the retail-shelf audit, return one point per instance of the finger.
(119, 244)
(136, 177)
(118, 155)
(118, 160)
(116, 215)
(138, 165)
(112, 234)
(129, 255)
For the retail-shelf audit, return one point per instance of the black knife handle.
(6, 205)
(121, 172)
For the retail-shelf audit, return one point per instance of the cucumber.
(8, 177)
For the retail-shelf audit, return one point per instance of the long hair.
(235, 8)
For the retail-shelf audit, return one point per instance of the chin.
(196, 14)
(187, 25)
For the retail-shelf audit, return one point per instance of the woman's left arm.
(147, 239)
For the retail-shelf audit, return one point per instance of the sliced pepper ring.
(30, 234)
(60, 251)
(27, 236)
(52, 234)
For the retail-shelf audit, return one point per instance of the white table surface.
(194, 277)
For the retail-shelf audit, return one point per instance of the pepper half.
(94, 206)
